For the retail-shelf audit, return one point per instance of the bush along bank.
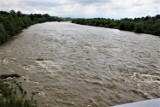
(13, 22)
(13, 95)
(148, 24)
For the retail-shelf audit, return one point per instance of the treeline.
(13, 22)
(148, 24)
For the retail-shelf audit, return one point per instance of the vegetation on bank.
(13, 22)
(13, 95)
(148, 24)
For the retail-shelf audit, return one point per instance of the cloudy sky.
(85, 8)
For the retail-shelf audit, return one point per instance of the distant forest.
(148, 24)
(13, 22)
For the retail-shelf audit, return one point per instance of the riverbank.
(148, 24)
(71, 65)
(12, 23)
(12, 93)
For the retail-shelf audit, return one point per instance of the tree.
(156, 30)
(131, 26)
(13, 13)
(139, 28)
(3, 35)
(8, 25)
(19, 14)
(122, 25)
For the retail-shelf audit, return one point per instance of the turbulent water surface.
(70, 65)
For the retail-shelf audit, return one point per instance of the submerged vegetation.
(13, 22)
(148, 24)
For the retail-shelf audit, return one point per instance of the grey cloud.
(54, 3)
(39, 3)
(119, 8)
(137, 4)
(84, 8)
(156, 1)
(92, 1)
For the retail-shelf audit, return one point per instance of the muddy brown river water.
(70, 65)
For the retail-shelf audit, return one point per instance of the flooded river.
(70, 65)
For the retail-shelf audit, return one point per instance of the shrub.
(3, 35)
(139, 28)
(131, 26)
(156, 30)
(122, 25)
(8, 98)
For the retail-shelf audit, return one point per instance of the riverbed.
(70, 65)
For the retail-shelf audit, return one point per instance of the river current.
(70, 65)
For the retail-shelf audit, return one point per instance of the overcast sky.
(85, 8)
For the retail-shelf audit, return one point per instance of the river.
(70, 65)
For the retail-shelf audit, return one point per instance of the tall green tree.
(139, 28)
(3, 35)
